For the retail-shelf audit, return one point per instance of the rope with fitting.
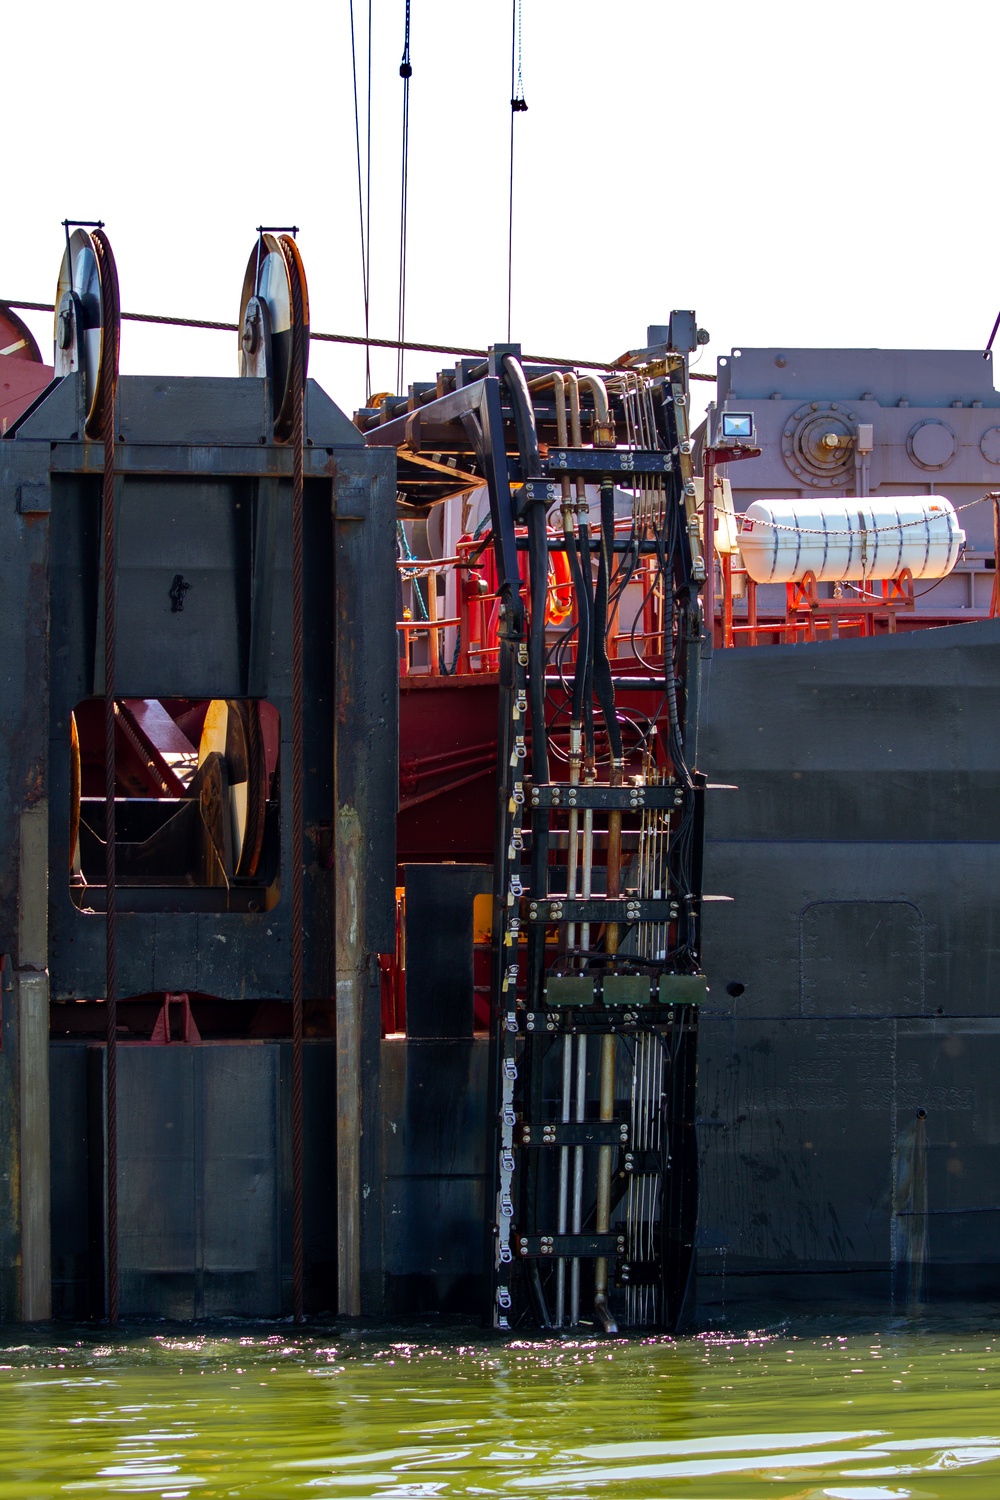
(518, 106)
(110, 323)
(214, 325)
(405, 73)
(363, 205)
(299, 358)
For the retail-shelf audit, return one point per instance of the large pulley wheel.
(274, 324)
(232, 730)
(88, 321)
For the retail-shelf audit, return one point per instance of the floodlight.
(737, 426)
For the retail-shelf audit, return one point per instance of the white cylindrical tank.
(782, 540)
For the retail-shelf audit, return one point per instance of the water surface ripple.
(885, 1411)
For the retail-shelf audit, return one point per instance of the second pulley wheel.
(274, 323)
(232, 728)
(88, 320)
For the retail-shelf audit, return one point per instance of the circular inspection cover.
(818, 444)
(931, 444)
(989, 445)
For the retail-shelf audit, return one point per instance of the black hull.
(849, 1106)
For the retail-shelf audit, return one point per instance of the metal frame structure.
(596, 882)
(178, 523)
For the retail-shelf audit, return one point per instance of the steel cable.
(405, 73)
(298, 828)
(108, 378)
(518, 105)
(212, 325)
(365, 253)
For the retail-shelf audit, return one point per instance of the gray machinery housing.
(850, 1049)
(203, 497)
(911, 422)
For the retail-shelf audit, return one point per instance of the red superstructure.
(23, 376)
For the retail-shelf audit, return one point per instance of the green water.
(832, 1411)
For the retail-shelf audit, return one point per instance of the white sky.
(800, 174)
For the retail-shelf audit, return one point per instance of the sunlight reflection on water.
(884, 1411)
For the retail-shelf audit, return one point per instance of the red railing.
(635, 632)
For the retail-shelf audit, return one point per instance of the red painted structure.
(23, 376)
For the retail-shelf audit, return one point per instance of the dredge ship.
(505, 854)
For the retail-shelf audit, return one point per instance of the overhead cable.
(410, 345)
(518, 105)
(405, 73)
(363, 219)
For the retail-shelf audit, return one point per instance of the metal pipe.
(583, 523)
(569, 532)
(433, 637)
(428, 564)
(576, 563)
(575, 758)
(576, 434)
(708, 545)
(613, 869)
(607, 1099)
(553, 378)
(562, 431)
(593, 383)
(602, 1311)
(564, 1115)
(628, 684)
(588, 868)
(604, 432)
(579, 675)
(577, 1220)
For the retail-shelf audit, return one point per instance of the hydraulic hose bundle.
(610, 945)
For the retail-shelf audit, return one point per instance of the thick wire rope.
(212, 325)
(518, 105)
(364, 221)
(405, 73)
(368, 203)
(298, 825)
(109, 380)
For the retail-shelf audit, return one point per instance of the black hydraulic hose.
(602, 666)
(582, 627)
(676, 730)
(524, 418)
(669, 666)
(586, 653)
(538, 558)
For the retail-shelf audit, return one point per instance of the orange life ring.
(559, 602)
